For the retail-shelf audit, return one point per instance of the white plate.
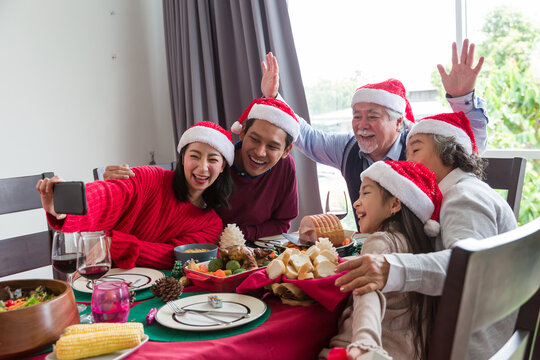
(120, 354)
(196, 322)
(137, 278)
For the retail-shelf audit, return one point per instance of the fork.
(179, 311)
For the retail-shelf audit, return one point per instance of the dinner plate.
(250, 307)
(120, 354)
(138, 278)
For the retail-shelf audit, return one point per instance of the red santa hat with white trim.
(389, 93)
(212, 134)
(274, 111)
(415, 185)
(448, 124)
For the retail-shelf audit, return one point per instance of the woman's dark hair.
(288, 137)
(452, 154)
(423, 307)
(215, 196)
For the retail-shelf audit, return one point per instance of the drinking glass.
(110, 302)
(336, 203)
(94, 259)
(65, 251)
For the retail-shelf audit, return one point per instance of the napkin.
(322, 290)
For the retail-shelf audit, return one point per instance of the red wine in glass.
(94, 272)
(66, 263)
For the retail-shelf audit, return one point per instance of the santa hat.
(390, 94)
(450, 124)
(212, 134)
(274, 111)
(415, 185)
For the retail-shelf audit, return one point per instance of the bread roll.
(313, 227)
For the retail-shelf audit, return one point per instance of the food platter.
(248, 309)
(280, 243)
(117, 355)
(138, 278)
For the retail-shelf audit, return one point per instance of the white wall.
(83, 84)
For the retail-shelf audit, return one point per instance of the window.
(343, 45)
(346, 44)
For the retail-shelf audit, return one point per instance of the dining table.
(285, 332)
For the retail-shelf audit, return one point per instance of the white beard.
(368, 146)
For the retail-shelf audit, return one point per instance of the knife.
(294, 239)
(217, 312)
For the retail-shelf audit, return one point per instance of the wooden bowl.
(26, 330)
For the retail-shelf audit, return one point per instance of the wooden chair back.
(507, 174)
(98, 172)
(25, 252)
(488, 280)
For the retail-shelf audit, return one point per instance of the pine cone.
(167, 288)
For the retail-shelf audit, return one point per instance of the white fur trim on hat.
(402, 188)
(438, 127)
(209, 136)
(380, 97)
(274, 116)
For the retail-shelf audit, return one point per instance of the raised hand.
(463, 75)
(45, 189)
(118, 172)
(270, 78)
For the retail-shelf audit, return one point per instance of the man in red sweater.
(266, 195)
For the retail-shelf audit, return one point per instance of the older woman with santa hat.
(150, 213)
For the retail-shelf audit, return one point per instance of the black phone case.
(70, 197)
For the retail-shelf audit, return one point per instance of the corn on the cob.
(110, 327)
(78, 346)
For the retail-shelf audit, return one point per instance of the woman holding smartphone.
(149, 214)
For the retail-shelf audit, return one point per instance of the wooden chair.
(25, 252)
(98, 172)
(507, 174)
(488, 280)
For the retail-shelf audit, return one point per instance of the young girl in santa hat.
(149, 214)
(399, 206)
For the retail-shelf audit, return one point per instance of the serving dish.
(117, 355)
(216, 283)
(28, 329)
(180, 254)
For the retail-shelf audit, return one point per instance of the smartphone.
(70, 197)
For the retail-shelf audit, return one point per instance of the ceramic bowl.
(181, 254)
(26, 330)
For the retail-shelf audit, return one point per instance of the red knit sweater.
(146, 219)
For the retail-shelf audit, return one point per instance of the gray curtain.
(214, 50)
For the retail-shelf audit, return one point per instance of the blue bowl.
(181, 254)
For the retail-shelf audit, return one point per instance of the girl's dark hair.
(452, 154)
(423, 307)
(215, 196)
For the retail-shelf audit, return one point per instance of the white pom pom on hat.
(212, 134)
(415, 185)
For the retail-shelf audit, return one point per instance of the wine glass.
(94, 259)
(336, 203)
(65, 251)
